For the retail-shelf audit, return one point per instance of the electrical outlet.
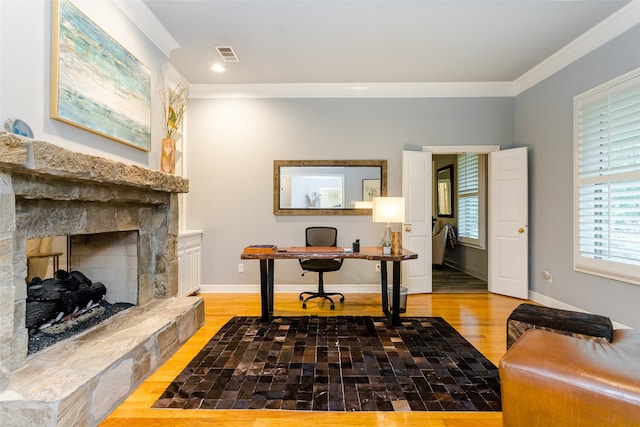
(377, 267)
(240, 268)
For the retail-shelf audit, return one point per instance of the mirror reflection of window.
(444, 197)
(444, 188)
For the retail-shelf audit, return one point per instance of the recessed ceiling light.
(218, 68)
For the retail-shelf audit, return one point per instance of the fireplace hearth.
(46, 190)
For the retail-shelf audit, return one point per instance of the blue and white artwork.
(96, 83)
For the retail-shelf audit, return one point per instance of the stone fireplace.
(46, 190)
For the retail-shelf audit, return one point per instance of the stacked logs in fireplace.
(65, 295)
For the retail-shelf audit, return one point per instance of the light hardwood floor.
(480, 318)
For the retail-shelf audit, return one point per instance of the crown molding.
(147, 22)
(354, 90)
(621, 21)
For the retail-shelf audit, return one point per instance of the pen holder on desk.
(356, 246)
(396, 243)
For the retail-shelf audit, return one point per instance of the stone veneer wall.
(46, 190)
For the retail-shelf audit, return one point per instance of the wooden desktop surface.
(297, 252)
(371, 253)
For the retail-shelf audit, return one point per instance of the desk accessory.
(260, 249)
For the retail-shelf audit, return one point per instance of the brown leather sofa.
(549, 379)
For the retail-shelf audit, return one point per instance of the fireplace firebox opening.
(76, 282)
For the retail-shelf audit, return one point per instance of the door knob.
(520, 230)
(407, 228)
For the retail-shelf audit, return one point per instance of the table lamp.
(388, 209)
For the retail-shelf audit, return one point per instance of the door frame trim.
(460, 149)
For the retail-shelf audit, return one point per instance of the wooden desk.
(370, 253)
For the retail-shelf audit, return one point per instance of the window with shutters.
(607, 179)
(471, 200)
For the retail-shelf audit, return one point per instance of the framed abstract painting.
(96, 84)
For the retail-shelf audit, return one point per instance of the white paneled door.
(509, 223)
(416, 231)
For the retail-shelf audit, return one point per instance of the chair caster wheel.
(333, 307)
(304, 305)
(301, 297)
(342, 299)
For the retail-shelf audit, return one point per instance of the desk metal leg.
(264, 290)
(395, 306)
(270, 274)
(383, 280)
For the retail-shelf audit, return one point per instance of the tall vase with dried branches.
(174, 105)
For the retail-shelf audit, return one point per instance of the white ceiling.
(363, 41)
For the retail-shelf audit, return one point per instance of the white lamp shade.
(388, 209)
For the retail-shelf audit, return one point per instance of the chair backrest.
(321, 236)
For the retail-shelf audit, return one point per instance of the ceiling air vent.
(227, 54)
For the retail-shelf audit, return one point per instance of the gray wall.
(232, 145)
(544, 122)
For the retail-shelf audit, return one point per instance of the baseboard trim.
(554, 303)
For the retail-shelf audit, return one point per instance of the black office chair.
(321, 236)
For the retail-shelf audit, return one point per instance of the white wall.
(232, 145)
(25, 53)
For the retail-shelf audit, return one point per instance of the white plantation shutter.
(608, 180)
(470, 218)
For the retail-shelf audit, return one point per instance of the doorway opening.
(507, 217)
(459, 205)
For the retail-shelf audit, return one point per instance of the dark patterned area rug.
(342, 363)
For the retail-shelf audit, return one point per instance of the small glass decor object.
(385, 242)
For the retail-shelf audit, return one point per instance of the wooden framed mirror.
(444, 191)
(327, 187)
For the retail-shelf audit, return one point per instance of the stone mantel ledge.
(42, 158)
